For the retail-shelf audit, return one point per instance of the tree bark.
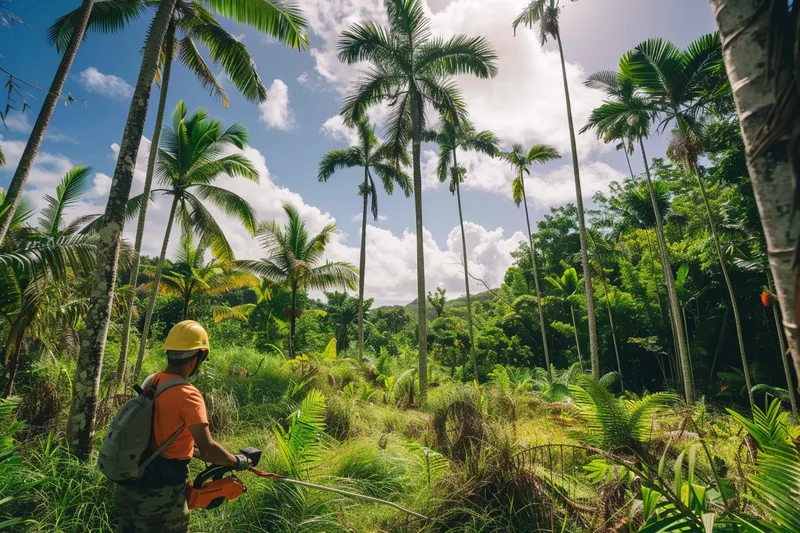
(577, 340)
(362, 263)
(672, 294)
(611, 325)
(473, 357)
(744, 27)
(119, 377)
(630, 168)
(784, 352)
(14, 193)
(587, 278)
(151, 303)
(293, 320)
(731, 293)
(536, 283)
(86, 384)
(422, 319)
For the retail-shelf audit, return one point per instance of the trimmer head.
(211, 488)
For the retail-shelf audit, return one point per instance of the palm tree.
(73, 41)
(192, 24)
(190, 159)
(367, 154)
(86, 382)
(521, 161)
(449, 137)
(568, 286)
(763, 74)
(545, 13)
(411, 69)
(259, 315)
(680, 84)
(190, 275)
(626, 113)
(293, 258)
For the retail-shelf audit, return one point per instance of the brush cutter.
(211, 488)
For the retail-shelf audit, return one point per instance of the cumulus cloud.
(106, 84)
(335, 128)
(276, 112)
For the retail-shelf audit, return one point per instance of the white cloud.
(557, 187)
(106, 84)
(18, 122)
(335, 128)
(276, 112)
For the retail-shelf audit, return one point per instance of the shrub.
(370, 471)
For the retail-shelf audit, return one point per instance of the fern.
(611, 422)
(301, 445)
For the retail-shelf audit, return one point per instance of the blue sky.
(298, 124)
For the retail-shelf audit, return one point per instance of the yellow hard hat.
(186, 336)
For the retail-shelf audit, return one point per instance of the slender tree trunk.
(577, 341)
(536, 281)
(731, 293)
(653, 273)
(744, 27)
(784, 352)
(86, 384)
(473, 357)
(292, 320)
(672, 295)
(362, 265)
(630, 168)
(122, 362)
(593, 349)
(151, 303)
(719, 344)
(416, 139)
(14, 193)
(688, 344)
(611, 325)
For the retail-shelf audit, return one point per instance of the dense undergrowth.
(521, 453)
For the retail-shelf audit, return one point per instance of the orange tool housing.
(214, 493)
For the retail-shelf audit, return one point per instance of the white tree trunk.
(744, 29)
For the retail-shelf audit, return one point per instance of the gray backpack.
(128, 438)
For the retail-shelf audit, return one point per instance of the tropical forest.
(588, 326)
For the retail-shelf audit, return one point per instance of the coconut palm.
(295, 259)
(190, 275)
(680, 85)
(191, 25)
(626, 113)
(568, 286)
(190, 159)
(411, 69)
(521, 161)
(764, 76)
(545, 13)
(73, 40)
(450, 137)
(86, 382)
(368, 154)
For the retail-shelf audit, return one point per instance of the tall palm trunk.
(784, 353)
(743, 25)
(422, 319)
(151, 303)
(672, 294)
(577, 340)
(611, 325)
(536, 282)
(293, 320)
(630, 168)
(86, 383)
(122, 362)
(14, 193)
(587, 278)
(362, 264)
(731, 293)
(472, 355)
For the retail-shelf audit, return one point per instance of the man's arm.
(210, 450)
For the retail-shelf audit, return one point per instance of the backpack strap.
(161, 388)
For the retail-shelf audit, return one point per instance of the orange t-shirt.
(181, 404)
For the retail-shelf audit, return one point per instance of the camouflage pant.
(149, 510)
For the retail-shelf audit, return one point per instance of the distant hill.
(453, 304)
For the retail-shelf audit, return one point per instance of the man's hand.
(242, 462)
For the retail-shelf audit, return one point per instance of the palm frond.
(280, 19)
(107, 16)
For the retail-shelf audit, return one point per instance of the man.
(158, 502)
